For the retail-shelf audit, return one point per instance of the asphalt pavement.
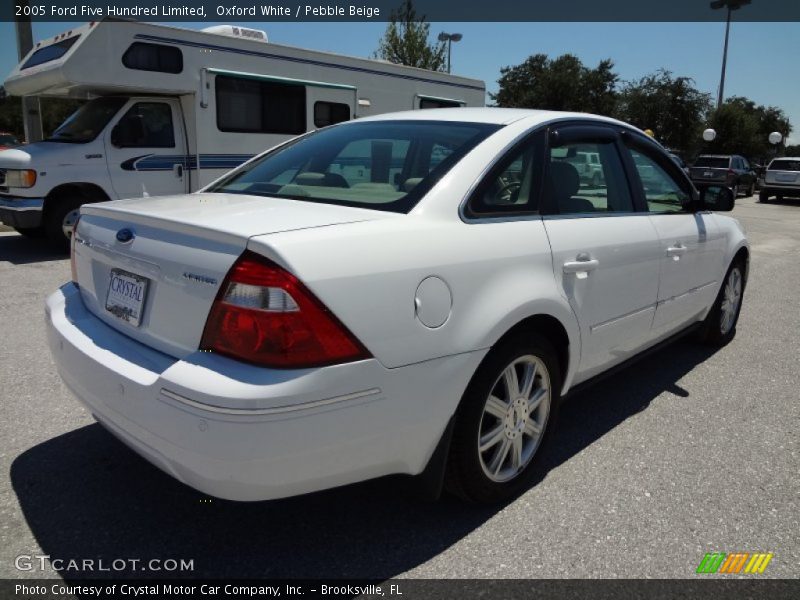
(689, 451)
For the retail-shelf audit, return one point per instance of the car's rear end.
(199, 330)
(223, 368)
(782, 178)
(712, 170)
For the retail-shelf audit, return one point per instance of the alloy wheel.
(514, 418)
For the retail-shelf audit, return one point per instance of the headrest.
(564, 179)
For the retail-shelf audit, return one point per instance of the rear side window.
(784, 165)
(153, 57)
(576, 186)
(330, 113)
(51, 52)
(438, 103)
(252, 106)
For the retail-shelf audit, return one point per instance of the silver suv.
(782, 178)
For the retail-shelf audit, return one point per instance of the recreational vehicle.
(169, 110)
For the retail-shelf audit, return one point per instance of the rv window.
(145, 125)
(51, 52)
(330, 113)
(88, 121)
(251, 106)
(381, 165)
(437, 103)
(153, 57)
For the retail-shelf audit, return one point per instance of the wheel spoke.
(512, 383)
(500, 457)
(528, 378)
(492, 438)
(532, 429)
(536, 401)
(496, 407)
(516, 455)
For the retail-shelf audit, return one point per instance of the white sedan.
(412, 293)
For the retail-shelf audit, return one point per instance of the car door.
(691, 248)
(146, 149)
(605, 253)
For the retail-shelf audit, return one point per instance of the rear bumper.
(242, 432)
(16, 211)
(784, 190)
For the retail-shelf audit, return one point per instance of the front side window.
(145, 125)
(379, 165)
(88, 121)
(254, 106)
(153, 57)
(662, 192)
(330, 113)
(587, 178)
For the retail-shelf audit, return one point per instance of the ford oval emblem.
(125, 235)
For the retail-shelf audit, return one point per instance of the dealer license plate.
(126, 295)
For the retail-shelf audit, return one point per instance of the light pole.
(449, 38)
(731, 5)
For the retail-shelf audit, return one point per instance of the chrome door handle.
(677, 250)
(581, 266)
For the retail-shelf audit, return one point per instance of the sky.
(762, 57)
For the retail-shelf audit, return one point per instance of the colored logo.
(125, 235)
(736, 562)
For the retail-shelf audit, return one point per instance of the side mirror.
(717, 198)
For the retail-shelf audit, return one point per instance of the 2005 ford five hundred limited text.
(411, 293)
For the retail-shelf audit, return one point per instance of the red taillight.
(72, 265)
(263, 314)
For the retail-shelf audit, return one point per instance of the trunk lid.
(172, 254)
(783, 172)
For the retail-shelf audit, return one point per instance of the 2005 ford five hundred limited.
(411, 293)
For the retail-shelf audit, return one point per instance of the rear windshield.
(712, 162)
(88, 121)
(382, 165)
(784, 164)
(51, 52)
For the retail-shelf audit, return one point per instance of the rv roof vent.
(240, 32)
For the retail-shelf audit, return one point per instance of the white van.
(172, 109)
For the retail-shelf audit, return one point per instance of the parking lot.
(690, 451)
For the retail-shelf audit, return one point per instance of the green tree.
(743, 127)
(670, 106)
(563, 83)
(405, 41)
(793, 150)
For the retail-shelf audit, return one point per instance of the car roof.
(489, 115)
(717, 155)
(786, 158)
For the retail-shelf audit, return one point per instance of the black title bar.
(241, 11)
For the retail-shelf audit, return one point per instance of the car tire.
(751, 190)
(31, 232)
(735, 190)
(58, 215)
(719, 327)
(763, 197)
(505, 419)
